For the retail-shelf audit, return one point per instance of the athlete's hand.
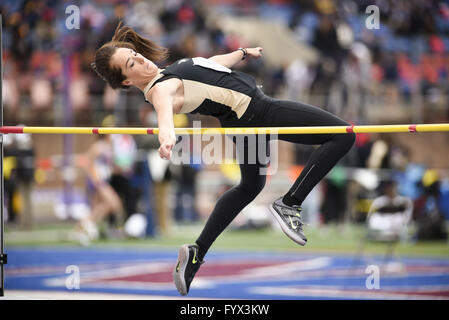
(167, 141)
(254, 52)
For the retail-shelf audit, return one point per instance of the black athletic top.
(209, 87)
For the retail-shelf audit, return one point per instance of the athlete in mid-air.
(211, 87)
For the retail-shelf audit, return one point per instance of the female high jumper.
(210, 87)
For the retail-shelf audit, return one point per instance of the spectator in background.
(429, 214)
(124, 157)
(19, 178)
(407, 173)
(185, 176)
(334, 203)
(124, 152)
(10, 179)
(104, 201)
(356, 78)
(142, 179)
(390, 213)
(326, 41)
(159, 173)
(25, 177)
(162, 176)
(185, 197)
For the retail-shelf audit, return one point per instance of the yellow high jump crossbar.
(438, 127)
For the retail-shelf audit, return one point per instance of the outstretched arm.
(162, 99)
(91, 155)
(230, 59)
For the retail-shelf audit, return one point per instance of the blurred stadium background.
(316, 51)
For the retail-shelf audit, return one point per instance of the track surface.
(106, 273)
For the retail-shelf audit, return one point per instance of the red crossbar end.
(11, 129)
(412, 128)
(350, 129)
(95, 131)
(150, 131)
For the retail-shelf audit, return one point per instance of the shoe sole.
(287, 230)
(179, 276)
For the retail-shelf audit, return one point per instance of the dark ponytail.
(125, 37)
(149, 49)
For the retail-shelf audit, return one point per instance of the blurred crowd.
(48, 78)
(406, 56)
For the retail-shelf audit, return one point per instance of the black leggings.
(265, 111)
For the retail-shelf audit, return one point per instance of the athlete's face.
(136, 68)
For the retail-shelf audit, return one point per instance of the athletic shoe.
(289, 217)
(90, 228)
(186, 267)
